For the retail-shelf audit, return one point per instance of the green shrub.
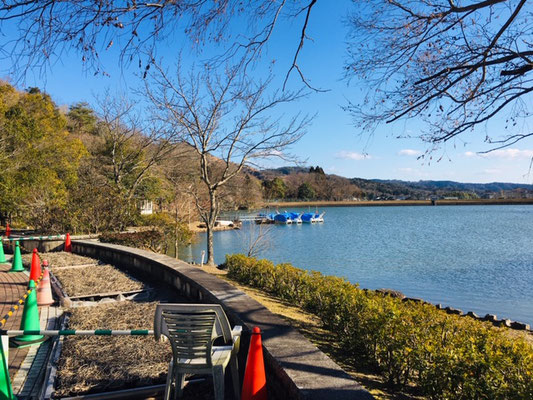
(445, 356)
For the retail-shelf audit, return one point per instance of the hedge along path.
(445, 356)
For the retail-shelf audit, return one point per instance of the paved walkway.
(13, 285)
(26, 365)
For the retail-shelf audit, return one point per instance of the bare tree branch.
(451, 65)
(46, 30)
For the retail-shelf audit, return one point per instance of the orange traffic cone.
(44, 290)
(68, 245)
(254, 385)
(35, 270)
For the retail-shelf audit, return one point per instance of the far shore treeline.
(82, 170)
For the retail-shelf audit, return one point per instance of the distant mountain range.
(424, 185)
(387, 188)
(457, 186)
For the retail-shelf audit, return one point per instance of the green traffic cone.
(6, 393)
(16, 266)
(30, 317)
(2, 254)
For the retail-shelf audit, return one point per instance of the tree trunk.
(213, 213)
(210, 254)
(176, 242)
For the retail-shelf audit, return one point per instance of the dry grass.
(95, 279)
(91, 364)
(59, 259)
(514, 334)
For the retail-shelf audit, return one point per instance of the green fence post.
(6, 392)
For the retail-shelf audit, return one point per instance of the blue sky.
(332, 140)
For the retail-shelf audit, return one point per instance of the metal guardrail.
(74, 332)
(22, 238)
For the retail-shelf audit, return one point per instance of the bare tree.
(181, 175)
(46, 30)
(229, 120)
(130, 147)
(257, 239)
(452, 64)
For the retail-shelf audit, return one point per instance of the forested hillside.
(81, 170)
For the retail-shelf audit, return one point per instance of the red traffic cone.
(35, 270)
(44, 290)
(254, 385)
(8, 229)
(68, 245)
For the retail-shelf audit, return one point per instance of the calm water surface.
(476, 258)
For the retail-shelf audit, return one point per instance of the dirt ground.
(198, 227)
(96, 364)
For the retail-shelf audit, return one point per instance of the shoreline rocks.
(516, 325)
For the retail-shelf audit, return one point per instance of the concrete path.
(13, 285)
(26, 364)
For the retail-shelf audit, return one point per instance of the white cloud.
(504, 154)
(408, 170)
(352, 155)
(275, 153)
(409, 152)
(413, 173)
(492, 171)
(509, 153)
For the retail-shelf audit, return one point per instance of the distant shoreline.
(385, 203)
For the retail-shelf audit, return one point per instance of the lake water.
(476, 258)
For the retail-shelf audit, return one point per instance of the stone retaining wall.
(42, 246)
(295, 368)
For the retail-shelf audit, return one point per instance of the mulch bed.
(90, 364)
(59, 259)
(95, 279)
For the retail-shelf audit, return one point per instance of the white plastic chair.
(191, 330)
